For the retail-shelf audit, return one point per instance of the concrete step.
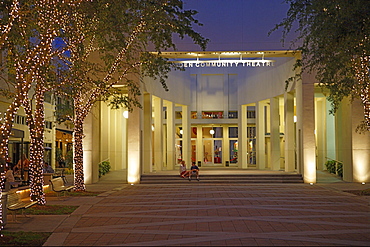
(249, 178)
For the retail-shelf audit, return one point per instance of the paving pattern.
(199, 214)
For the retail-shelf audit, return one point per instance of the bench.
(15, 203)
(59, 172)
(58, 185)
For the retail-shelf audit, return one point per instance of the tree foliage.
(112, 42)
(28, 31)
(333, 36)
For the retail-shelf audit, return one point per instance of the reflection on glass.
(178, 148)
(233, 151)
(212, 114)
(193, 150)
(207, 151)
(218, 151)
(233, 132)
(218, 132)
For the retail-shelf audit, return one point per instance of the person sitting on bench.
(194, 169)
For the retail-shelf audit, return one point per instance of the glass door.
(217, 151)
(212, 145)
(207, 152)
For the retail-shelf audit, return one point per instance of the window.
(48, 125)
(212, 114)
(233, 132)
(20, 120)
(233, 114)
(178, 115)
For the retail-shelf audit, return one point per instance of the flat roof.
(228, 54)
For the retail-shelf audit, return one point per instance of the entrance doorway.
(211, 146)
(212, 152)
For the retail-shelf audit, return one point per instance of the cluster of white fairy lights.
(27, 72)
(12, 16)
(82, 109)
(2, 177)
(362, 68)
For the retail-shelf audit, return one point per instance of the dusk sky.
(237, 25)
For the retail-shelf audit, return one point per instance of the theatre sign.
(225, 63)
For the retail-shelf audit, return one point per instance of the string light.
(29, 63)
(361, 67)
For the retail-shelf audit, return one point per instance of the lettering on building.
(226, 63)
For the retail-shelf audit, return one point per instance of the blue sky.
(235, 25)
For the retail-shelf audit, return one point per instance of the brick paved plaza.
(217, 215)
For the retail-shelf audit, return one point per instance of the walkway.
(215, 215)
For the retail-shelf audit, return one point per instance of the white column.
(134, 146)
(186, 136)
(344, 138)
(225, 146)
(171, 152)
(147, 134)
(91, 148)
(289, 132)
(275, 134)
(306, 127)
(87, 144)
(124, 140)
(158, 134)
(242, 138)
(260, 139)
(320, 116)
(200, 145)
(330, 133)
(360, 146)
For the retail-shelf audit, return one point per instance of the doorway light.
(211, 131)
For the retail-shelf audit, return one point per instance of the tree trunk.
(79, 181)
(36, 126)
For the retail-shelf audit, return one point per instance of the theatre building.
(229, 110)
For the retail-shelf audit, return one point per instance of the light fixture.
(295, 119)
(125, 114)
(211, 131)
(363, 183)
(181, 132)
(311, 183)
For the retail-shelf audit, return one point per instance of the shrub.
(340, 169)
(334, 167)
(330, 166)
(104, 168)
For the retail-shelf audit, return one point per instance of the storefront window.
(233, 114)
(178, 115)
(212, 114)
(218, 132)
(251, 147)
(233, 132)
(218, 151)
(233, 151)
(193, 132)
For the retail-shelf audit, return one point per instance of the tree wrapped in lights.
(35, 25)
(333, 38)
(115, 37)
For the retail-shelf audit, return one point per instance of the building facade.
(229, 110)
